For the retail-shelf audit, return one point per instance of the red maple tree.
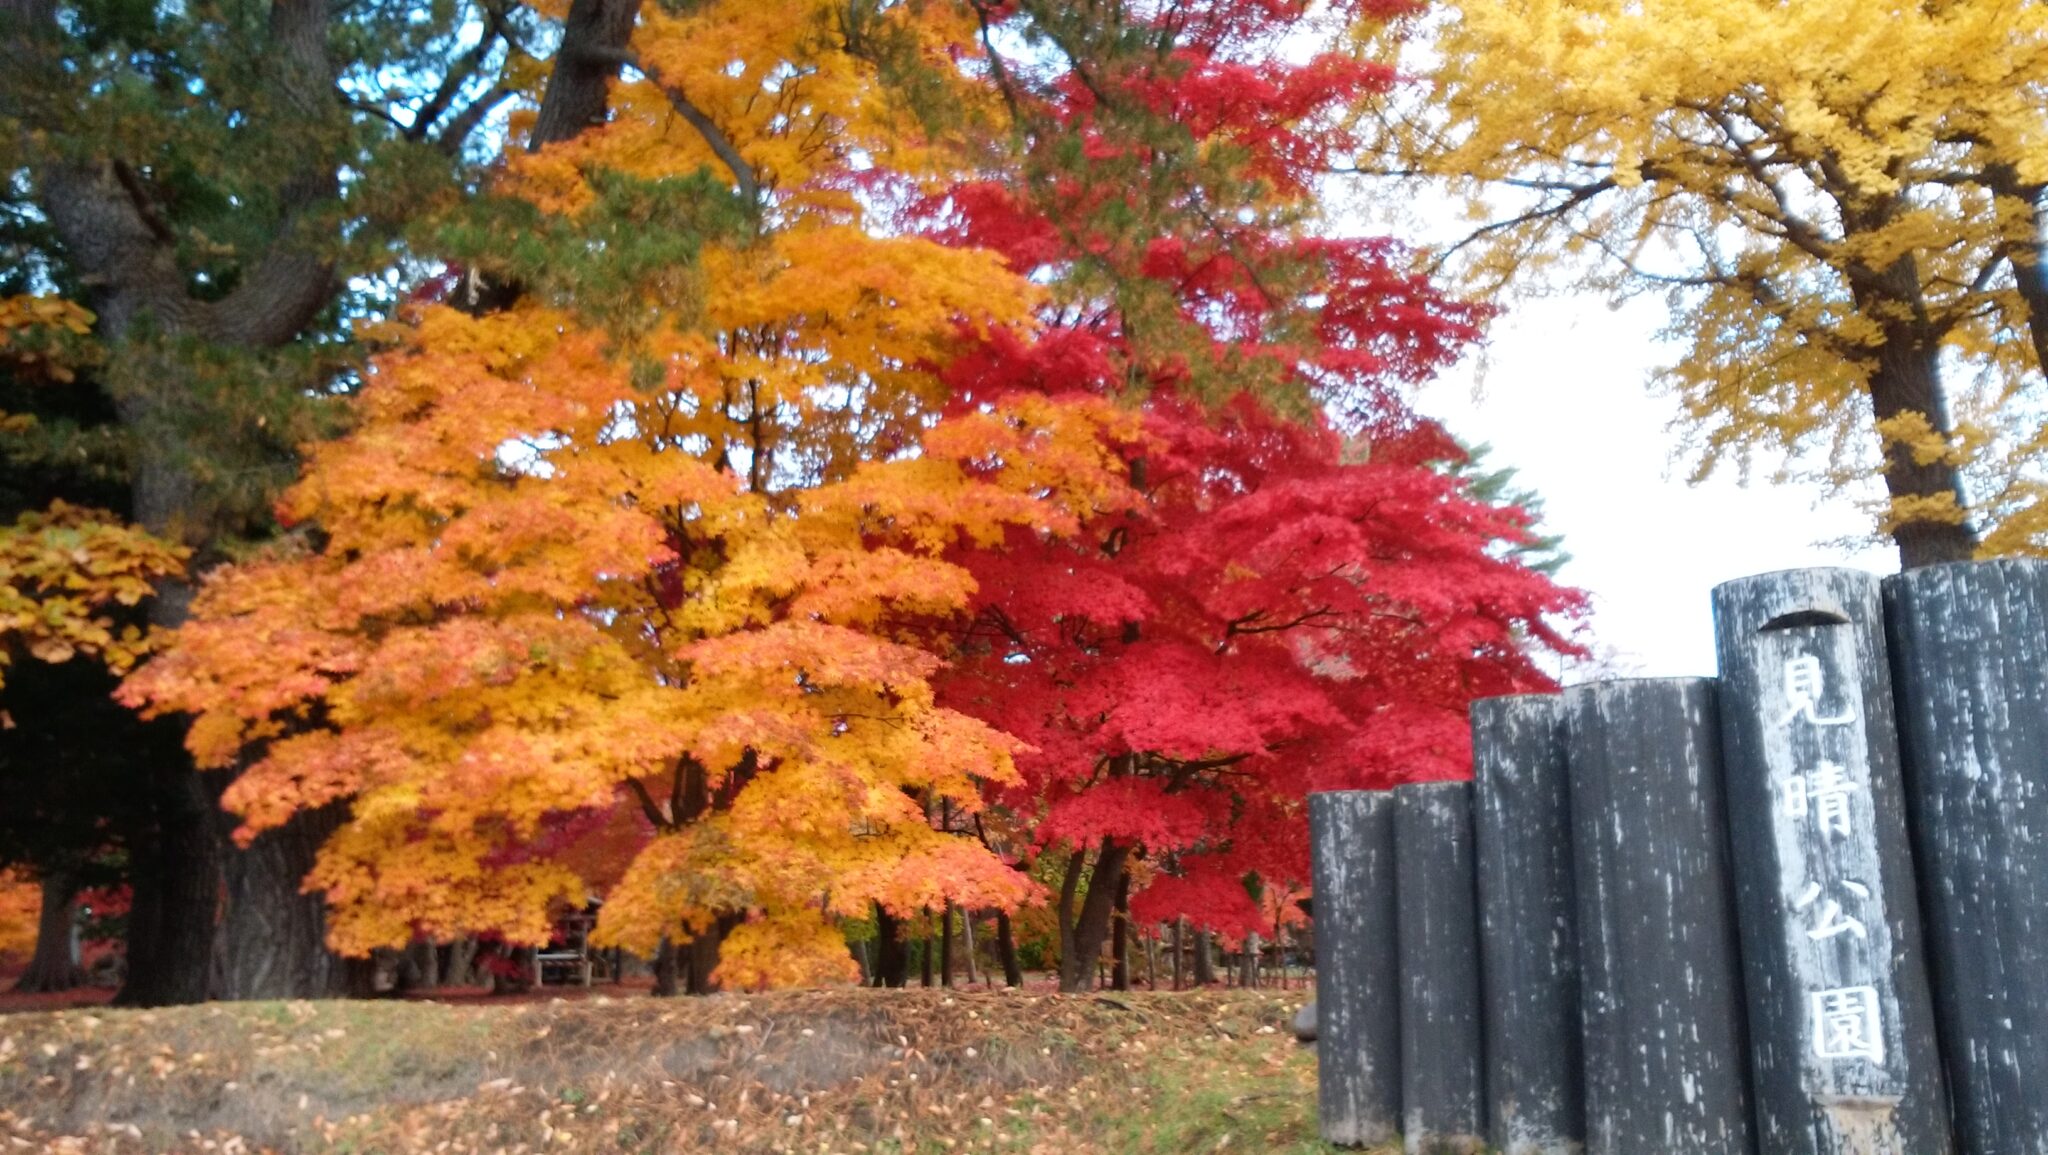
(1300, 594)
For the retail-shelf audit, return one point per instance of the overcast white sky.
(1564, 398)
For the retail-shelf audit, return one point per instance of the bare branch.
(459, 74)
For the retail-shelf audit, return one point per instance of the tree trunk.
(1120, 942)
(275, 936)
(174, 927)
(1907, 380)
(593, 36)
(665, 969)
(924, 951)
(1205, 958)
(1179, 943)
(892, 962)
(2030, 269)
(2027, 205)
(967, 943)
(1006, 950)
(1091, 926)
(458, 966)
(359, 977)
(1063, 913)
(174, 915)
(419, 969)
(1248, 967)
(53, 967)
(701, 956)
(946, 945)
(1152, 957)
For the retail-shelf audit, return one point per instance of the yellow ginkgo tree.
(1844, 203)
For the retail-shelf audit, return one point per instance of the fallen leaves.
(818, 1072)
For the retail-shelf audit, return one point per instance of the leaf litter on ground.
(816, 1072)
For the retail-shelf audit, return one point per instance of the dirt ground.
(816, 1072)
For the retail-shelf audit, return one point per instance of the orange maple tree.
(650, 541)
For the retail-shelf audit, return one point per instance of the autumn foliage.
(1301, 598)
(1271, 620)
(64, 569)
(1846, 225)
(20, 900)
(882, 431)
(565, 568)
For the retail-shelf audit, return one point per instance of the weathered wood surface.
(1528, 926)
(1442, 1077)
(1358, 978)
(1665, 1053)
(1841, 1024)
(1970, 663)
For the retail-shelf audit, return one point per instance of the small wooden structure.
(574, 959)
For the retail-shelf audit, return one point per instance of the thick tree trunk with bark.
(1006, 950)
(120, 248)
(594, 37)
(700, 957)
(52, 967)
(174, 915)
(1907, 380)
(275, 938)
(1084, 932)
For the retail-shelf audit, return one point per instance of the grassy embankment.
(841, 1071)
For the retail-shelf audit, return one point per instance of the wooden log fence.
(1799, 909)
(1436, 939)
(1661, 988)
(1841, 1021)
(1972, 694)
(1528, 926)
(1358, 973)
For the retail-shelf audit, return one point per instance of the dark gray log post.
(1358, 977)
(1970, 662)
(1666, 1060)
(1841, 1025)
(1528, 925)
(1443, 1104)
